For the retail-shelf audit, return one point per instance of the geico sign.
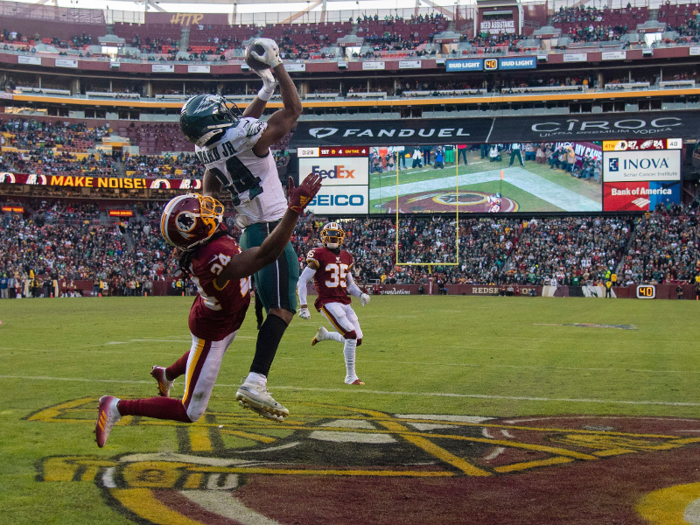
(338, 172)
(338, 200)
(634, 124)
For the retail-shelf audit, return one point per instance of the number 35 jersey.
(332, 268)
(217, 311)
(252, 181)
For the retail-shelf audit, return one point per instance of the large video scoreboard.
(578, 177)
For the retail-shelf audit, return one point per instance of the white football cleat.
(320, 336)
(356, 381)
(107, 416)
(164, 386)
(257, 398)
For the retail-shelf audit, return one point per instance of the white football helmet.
(332, 235)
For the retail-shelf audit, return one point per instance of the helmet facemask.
(332, 236)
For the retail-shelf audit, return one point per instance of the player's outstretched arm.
(211, 186)
(254, 259)
(304, 278)
(282, 121)
(256, 108)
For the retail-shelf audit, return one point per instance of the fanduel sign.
(500, 130)
(392, 132)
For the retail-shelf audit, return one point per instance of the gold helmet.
(332, 235)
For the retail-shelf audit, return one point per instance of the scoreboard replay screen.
(345, 175)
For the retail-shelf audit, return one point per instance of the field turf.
(459, 355)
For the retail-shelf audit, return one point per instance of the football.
(253, 62)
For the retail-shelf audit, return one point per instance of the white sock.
(335, 336)
(254, 377)
(349, 353)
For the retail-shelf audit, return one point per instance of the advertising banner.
(639, 196)
(373, 66)
(13, 209)
(100, 182)
(410, 64)
(34, 61)
(121, 213)
(340, 200)
(64, 62)
(575, 57)
(496, 27)
(199, 69)
(614, 55)
(583, 150)
(467, 64)
(391, 132)
(629, 166)
(336, 171)
(640, 126)
(294, 68)
(694, 51)
(500, 130)
(163, 68)
(517, 63)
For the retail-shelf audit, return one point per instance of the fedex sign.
(336, 171)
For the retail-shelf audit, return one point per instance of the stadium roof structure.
(261, 5)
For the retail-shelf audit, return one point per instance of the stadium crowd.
(184, 166)
(69, 242)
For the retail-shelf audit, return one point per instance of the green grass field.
(486, 356)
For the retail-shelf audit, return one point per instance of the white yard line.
(383, 392)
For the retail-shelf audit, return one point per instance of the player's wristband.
(264, 94)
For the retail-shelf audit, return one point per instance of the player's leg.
(352, 316)
(166, 376)
(336, 313)
(203, 363)
(276, 288)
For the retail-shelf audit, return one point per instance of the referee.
(515, 152)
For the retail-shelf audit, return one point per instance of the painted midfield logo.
(228, 451)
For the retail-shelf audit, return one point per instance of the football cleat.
(357, 381)
(107, 416)
(320, 336)
(257, 398)
(164, 386)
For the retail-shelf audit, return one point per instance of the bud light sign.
(517, 63)
(473, 64)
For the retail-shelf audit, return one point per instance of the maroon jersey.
(217, 312)
(330, 278)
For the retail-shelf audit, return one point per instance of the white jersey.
(252, 181)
